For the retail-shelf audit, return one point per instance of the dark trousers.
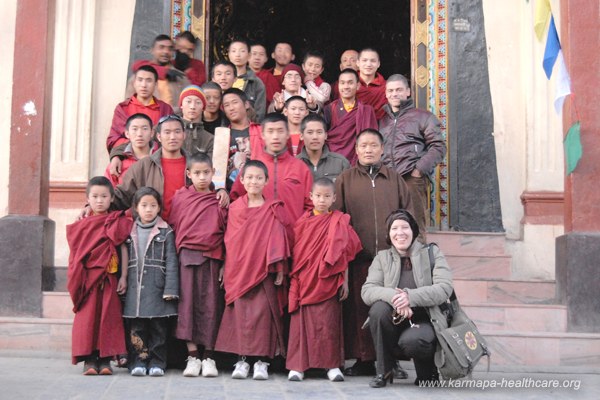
(148, 345)
(419, 189)
(394, 342)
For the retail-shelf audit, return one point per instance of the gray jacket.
(330, 164)
(384, 275)
(256, 93)
(158, 276)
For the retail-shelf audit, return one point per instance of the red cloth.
(278, 78)
(257, 144)
(127, 162)
(290, 180)
(174, 174)
(199, 222)
(160, 69)
(98, 324)
(373, 94)
(324, 245)
(257, 243)
(127, 108)
(196, 72)
(316, 338)
(272, 85)
(345, 126)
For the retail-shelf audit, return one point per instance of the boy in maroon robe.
(324, 245)
(199, 225)
(257, 61)
(98, 333)
(347, 117)
(258, 248)
(372, 84)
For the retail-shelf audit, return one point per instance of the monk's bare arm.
(122, 286)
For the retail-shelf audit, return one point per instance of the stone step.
(480, 267)
(505, 291)
(518, 317)
(543, 349)
(57, 305)
(469, 243)
(46, 334)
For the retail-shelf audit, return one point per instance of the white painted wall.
(8, 15)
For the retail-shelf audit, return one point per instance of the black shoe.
(399, 372)
(381, 380)
(361, 368)
(427, 382)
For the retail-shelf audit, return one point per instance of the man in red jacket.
(142, 102)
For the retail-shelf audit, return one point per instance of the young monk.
(258, 59)
(98, 333)
(246, 80)
(295, 110)
(315, 85)
(324, 244)
(372, 84)
(223, 73)
(257, 247)
(283, 54)
(199, 225)
(212, 116)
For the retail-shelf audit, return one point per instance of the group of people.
(322, 180)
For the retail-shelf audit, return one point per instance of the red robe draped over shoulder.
(345, 126)
(324, 245)
(272, 85)
(199, 222)
(373, 94)
(257, 243)
(98, 324)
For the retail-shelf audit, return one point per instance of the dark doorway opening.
(330, 26)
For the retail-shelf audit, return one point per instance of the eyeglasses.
(170, 117)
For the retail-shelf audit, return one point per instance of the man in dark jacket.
(369, 192)
(413, 144)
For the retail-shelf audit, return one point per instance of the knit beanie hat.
(292, 67)
(192, 90)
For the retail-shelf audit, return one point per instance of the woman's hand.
(400, 299)
(405, 312)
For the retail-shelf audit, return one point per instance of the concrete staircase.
(525, 327)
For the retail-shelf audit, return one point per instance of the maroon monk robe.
(324, 246)
(199, 225)
(257, 246)
(272, 85)
(373, 94)
(345, 126)
(97, 324)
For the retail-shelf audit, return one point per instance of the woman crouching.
(404, 293)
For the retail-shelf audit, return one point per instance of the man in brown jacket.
(413, 144)
(369, 192)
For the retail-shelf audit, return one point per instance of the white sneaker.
(241, 370)
(193, 368)
(156, 371)
(335, 375)
(295, 376)
(138, 371)
(261, 371)
(209, 368)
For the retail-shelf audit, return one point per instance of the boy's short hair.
(368, 49)
(210, 85)
(222, 62)
(145, 191)
(138, 116)
(238, 92)
(252, 44)
(99, 181)
(187, 35)
(197, 158)
(316, 54)
(370, 131)
(295, 98)
(312, 117)
(257, 164)
(274, 117)
(324, 182)
(349, 71)
(161, 38)
(147, 68)
(238, 40)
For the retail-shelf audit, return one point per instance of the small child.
(315, 85)
(152, 284)
(257, 247)
(138, 130)
(98, 333)
(324, 245)
(199, 223)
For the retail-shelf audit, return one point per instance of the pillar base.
(578, 279)
(27, 247)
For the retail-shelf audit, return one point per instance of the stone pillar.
(578, 251)
(27, 234)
